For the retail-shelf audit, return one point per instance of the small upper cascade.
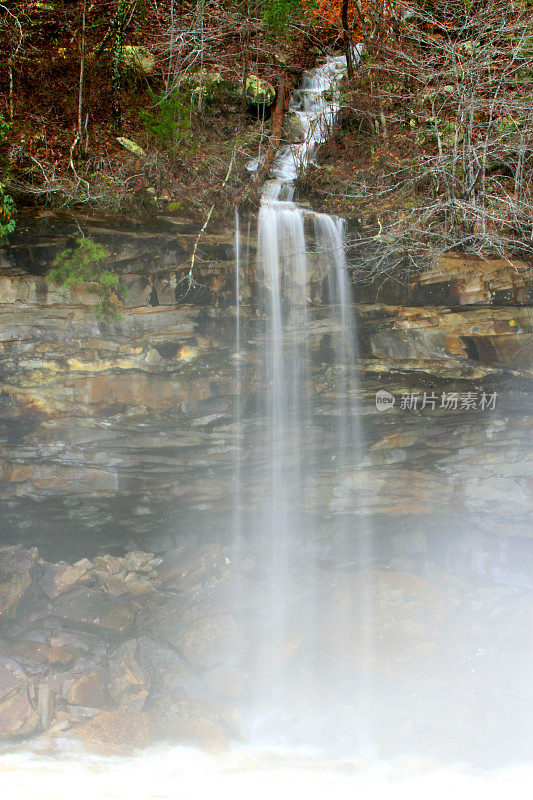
(282, 255)
(316, 103)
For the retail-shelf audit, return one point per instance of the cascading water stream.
(238, 380)
(295, 247)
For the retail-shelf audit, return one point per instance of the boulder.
(138, 60)
(113, 584)
(11, 675)
(404, 617)
(68, 646)
(131, 146)
(108, 563)
(259, 93)
(184, 568)
(60, 578)
(209, 87)
(294, 130)
(86, 689)
(212, 641)
(45, 705)
(193, 729)
(227, 683)
(139, 561)
(126, 677)
(168, 672)
(32, 655)
(138, 585)
(203, 637)
(94, 610)
(121, 728)
(17, 569)
(18, 717)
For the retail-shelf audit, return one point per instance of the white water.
(316, 105)
(297, 248)
(178, 773)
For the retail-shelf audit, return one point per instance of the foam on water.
(244, 773)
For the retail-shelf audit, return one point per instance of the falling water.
(297, 246)
(238, 380)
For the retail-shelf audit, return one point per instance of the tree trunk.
(346, 37)
(278, 112)
(82, 73)
(116, 72)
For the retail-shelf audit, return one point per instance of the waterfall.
(237, 522)
(296, 248)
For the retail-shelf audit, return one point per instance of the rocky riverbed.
(125, 651)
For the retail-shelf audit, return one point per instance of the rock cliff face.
(128, 429)
(117, 460)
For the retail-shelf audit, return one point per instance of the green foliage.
(83, 264)
(170, 119)
(7, 209)
(277, 13)
(7, 204)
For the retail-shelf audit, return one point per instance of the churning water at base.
(178, 773)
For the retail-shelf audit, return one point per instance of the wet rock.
(60, 578)
(120, 728)
(138, 585)
(404, 615)
(18, 717)
(11, 675)
(45, 705)
(293, 130)
(17, 570)
(227, 683)
(138, 561)
(63, 656)
(68, 646)
(166, 622)
(126, 677)
(113, 584)
(108, 563)
(95, 610)
(86, 689)
(212, 641)
(182, 569)
(470, 279)
(168, 672)
(32, 655)
(193, 729)
(394, 491)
